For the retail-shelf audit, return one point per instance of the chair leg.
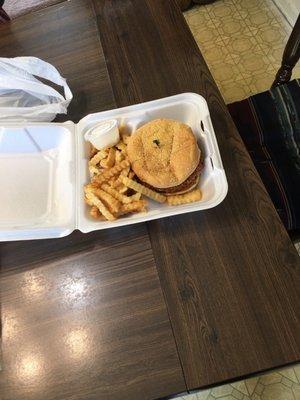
(290, 56)
(3, 16)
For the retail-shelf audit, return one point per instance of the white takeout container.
(44, 166)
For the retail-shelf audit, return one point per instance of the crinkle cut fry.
(142, 189)
(190, 197)
(109, 173)
(93, 199)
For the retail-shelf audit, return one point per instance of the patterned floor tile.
(286, 382)
(274, 53)
(232, 25)
(198, 17)
(241, 387)
(205, 37)
(242, 42)
(254, 65)
(290, 374)
(271, 35)
(218, 52)
(222, 391)
(259, 388)
(296, 391)
(191, 397)
(277, 391)
(203, 395)
(233, 90)
(296, 72)
(259, 18)
(221, 9)
(297, 367)
(252, 5)
(224, 72)
(270, 378)
(251, 384)
(237, 395)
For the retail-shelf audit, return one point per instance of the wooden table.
(154, 309)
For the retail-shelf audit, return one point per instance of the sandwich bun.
(165, 156)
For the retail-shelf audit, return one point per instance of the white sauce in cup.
(104, 134)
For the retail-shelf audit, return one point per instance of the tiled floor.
(276, 385)
(242, 42)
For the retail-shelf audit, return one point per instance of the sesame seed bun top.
(163, 153)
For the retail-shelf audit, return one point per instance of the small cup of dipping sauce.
(104, 134)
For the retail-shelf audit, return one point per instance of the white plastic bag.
(25, 98)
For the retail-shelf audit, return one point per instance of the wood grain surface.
(230, 275)
(83, 317)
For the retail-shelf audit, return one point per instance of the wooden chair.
(290, 56)
(269, 124)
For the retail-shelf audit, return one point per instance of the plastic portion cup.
(104, 134)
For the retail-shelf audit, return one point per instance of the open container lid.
(43, 167)
(37, 178)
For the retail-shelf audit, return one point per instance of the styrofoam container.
(44, 166)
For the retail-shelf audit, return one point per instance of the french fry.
(101, 207)
(98, 157)
(135, 197)
(93, 170)
(190, 197)
(95, 213)
(88, 202)
(110, 160)
(121, 146)
(131, 174)
(142, 189)
(93, 151)
(112, 203)
(117, 183)
(112, 181)
(90, 188)
(110, 172)
(125, 171)
(116, 194)
(103, 163)
(136, 206)
(122, 188)
(119, 156)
